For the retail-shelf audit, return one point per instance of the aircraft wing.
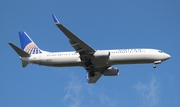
(75, 42)
(82, 48)
(91, 79)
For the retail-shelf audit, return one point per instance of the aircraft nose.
(167, 56)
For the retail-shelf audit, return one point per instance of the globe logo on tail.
(31, 48)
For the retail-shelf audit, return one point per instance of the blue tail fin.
(27, 44)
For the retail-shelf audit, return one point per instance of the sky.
(116, 24)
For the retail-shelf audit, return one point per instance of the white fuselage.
(119, 56)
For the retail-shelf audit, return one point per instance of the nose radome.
(168, 56)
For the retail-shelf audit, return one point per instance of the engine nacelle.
(99, 54)
(111, 72)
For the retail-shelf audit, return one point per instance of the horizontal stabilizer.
(19, 51)
(24, 64)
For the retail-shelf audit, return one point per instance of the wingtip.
(21, 32)
(55, 19)
(9, 42)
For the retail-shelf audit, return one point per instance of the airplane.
(96, 62)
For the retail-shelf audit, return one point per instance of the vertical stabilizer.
(27, 44)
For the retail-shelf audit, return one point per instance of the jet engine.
(111, 72)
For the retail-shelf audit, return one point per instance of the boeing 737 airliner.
(96, 62)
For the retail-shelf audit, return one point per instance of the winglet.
(55, 19)
(87, 78)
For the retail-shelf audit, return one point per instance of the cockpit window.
(160, 51)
